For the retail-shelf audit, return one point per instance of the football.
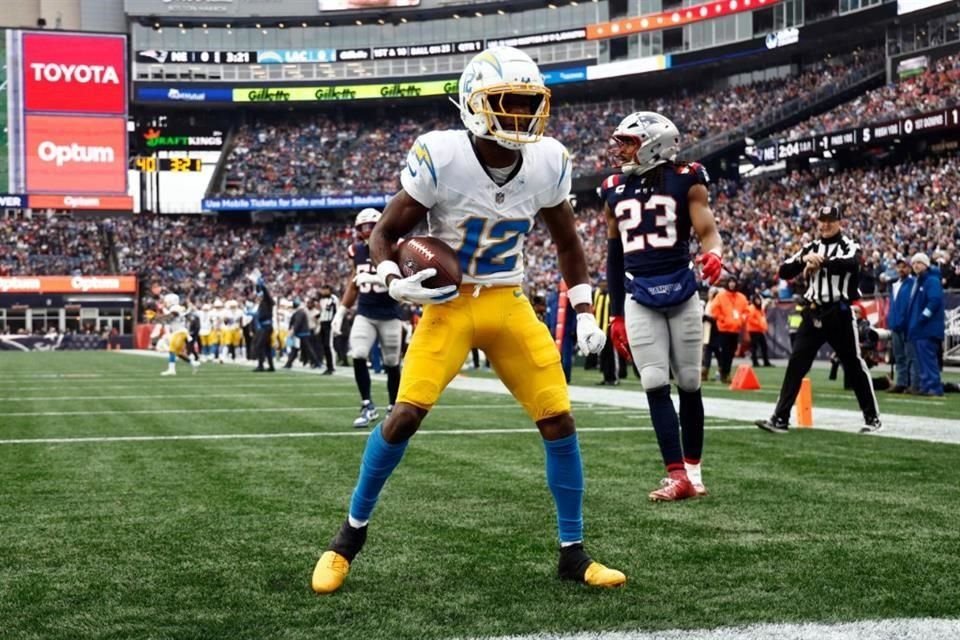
(423, 252)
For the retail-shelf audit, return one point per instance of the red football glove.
(711, 266)
(618, 336)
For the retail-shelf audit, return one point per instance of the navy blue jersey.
(653, 214)
(373, 300)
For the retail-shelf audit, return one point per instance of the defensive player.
(656, 315)
(377, 317)
(479, 191)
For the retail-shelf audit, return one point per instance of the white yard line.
(324, 434)
(844, 420)
(893, 629)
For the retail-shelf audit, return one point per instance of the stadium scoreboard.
(150, 164)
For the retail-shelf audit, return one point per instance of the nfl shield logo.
(499, 197)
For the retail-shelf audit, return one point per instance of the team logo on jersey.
(500, 197)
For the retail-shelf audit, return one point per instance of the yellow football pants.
(500, 321)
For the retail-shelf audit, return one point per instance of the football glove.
(590, 338)
(711, 266)
(411, 289)
(618, 336)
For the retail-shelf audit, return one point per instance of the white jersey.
(175, 323)
(485, 223)
(206, 322)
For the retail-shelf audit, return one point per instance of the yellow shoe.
(330, 572)
(598, 575)
(576, 565)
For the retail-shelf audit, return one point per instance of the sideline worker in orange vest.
(730, 312)
(757, 328)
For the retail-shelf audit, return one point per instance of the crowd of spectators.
(892, 211)
(937, 88)
(327, 153)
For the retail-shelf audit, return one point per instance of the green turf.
(217, 538)
(826, 393)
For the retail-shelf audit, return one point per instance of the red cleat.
(674, 487)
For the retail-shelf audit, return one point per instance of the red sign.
(74, 73)
(68, 284)
(676, 17)
(76, 154)
(111, 203)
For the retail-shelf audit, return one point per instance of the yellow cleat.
(598, 575)
(330, 572)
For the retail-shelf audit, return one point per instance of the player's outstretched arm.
(701, 217)
(573, 268)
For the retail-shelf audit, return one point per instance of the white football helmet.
(218, 304)
(367, 216)
(170, 299)
(656, 137)
(487, 79)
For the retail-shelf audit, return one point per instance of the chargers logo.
(420, 157)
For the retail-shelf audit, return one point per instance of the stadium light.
(403, 20)
(479, 14)
(303, 24)
(501, 12)
(380, 21)
(281, 25)
(257, 25)
(456, 16)
(550, 5)
(359, 23)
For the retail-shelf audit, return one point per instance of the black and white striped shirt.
(328, 308)
(838, 279)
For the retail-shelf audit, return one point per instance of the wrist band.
(580, 294)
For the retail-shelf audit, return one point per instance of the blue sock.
(565, 479)
(172, 357)
(667, 426)
(380, 458)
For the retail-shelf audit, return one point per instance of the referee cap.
(829, 213)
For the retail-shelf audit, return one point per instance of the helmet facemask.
(509, 122)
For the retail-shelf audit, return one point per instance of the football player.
(177, 335)
(651, 208)
(377, 316)
(479, 191)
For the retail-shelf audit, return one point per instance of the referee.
(831, 267)
(328, 309)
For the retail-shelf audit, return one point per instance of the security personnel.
(831, 267)
(795, 319)
(608, 358)
(263, 320)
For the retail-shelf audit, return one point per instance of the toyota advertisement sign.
(67, 118)
(74, 73)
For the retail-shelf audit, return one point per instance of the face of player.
(828, 228)
(520, 109)
(364, 231)
(624, 149)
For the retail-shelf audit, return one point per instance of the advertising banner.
(71, 202)
(76, 154)
(74, 73)
(184, 94)
(68, 284)
(283, 203)
(333, 93)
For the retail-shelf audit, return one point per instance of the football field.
(194, 507)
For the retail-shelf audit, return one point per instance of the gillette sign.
(74, 73)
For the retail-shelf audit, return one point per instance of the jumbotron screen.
(64, 108)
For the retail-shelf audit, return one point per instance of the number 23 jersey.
(485, 223)
(653, 215)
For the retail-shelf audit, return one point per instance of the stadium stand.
(895, 210)
(326, 153)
